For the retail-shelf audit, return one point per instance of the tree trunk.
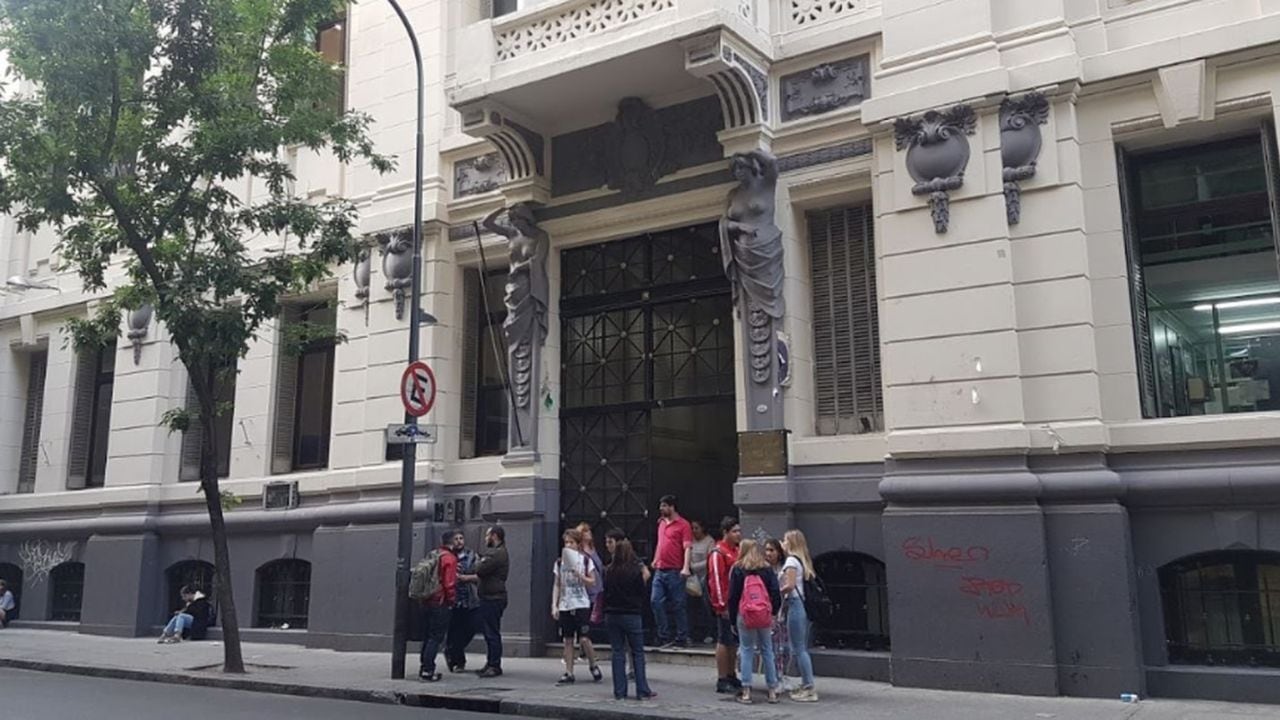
(232, 658)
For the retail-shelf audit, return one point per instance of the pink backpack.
(754, 607)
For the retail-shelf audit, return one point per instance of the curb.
(480, 704)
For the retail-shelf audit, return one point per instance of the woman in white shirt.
(796, 569)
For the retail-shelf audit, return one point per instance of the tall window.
(304, 389)
(95, 378)
(484, 407)
(66, 596)
(30, 459)
(1223, 608)
(284, 594)
(331, 43)
(224, 394)
(846, 325)
(1201, 242)
(856, 585)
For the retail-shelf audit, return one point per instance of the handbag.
(597, 610)
(693, 586)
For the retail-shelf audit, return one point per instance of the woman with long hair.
(753, 601)
(623, 607)
(776, 556)
(796, 569)
(571, 604)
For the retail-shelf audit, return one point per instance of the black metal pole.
(404, 544)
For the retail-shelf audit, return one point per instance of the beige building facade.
(1019, 388)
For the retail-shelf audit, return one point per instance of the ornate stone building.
(980, 294)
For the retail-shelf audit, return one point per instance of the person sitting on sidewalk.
(6, 604)
(192, 621)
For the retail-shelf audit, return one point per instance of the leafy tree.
(129, 121)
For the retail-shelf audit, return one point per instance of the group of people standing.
(471, 598)
(755, 591)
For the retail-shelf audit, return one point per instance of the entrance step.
(701, 657)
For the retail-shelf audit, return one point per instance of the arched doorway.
(198, 574)
(66, 592)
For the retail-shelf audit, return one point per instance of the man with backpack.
(719, 562)
(435, 584)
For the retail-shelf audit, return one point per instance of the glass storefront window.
(1201, 238)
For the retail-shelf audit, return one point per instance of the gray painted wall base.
(1094, 600)
(969, 599)
(123, 570)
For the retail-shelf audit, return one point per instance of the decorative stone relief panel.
(937, 154)
(636, 150)
(1020, 122)
(824, 88)
(805, 13)
(581, 20)
(479, 174)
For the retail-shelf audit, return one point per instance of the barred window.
(1223, 608)
(197, 574)
(66, 583)
(856, 585)
(846, 329)
(284, 594)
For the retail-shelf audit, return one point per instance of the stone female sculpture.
(525, 328)
(751, 250)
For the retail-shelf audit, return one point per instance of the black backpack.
(817, 603)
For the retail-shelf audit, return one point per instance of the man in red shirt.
(439, 605)
(719, 562)
(671, 570)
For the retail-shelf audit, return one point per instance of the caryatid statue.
(525, 328)
(751, 249)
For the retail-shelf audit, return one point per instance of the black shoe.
(490, 672)
(430, 677)
(457, 668)
(686, 644)
(596, 675)
(565, 679)
(724, 687)
(647, 696)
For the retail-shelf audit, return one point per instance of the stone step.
(701, 656)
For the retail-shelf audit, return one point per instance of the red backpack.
(754, 607)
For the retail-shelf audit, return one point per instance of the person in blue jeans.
(798, 568)
(623, 605)
(672, 563)
(753, 641)
(192, 621)
(492, 574)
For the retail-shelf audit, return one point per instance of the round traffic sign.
(418, 389)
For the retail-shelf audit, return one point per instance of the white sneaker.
(804, 695)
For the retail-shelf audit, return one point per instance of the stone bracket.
(742, 84)
(521, 149)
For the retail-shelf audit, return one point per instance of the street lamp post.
(404, 544)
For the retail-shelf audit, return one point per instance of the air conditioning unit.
(282, 495)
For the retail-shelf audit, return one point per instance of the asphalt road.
(26, 695)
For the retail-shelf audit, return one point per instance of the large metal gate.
(648, 378)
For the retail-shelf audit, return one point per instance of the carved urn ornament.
(397, 264)
(362, 273)
(139, 321)
(937, 154)
(1020, 122)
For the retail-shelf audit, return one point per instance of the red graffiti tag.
(924, 550)
(990, 587)
(1004, 610)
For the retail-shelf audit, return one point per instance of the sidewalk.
(528, 688)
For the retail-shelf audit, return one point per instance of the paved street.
(526, 689)
(29, 695)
